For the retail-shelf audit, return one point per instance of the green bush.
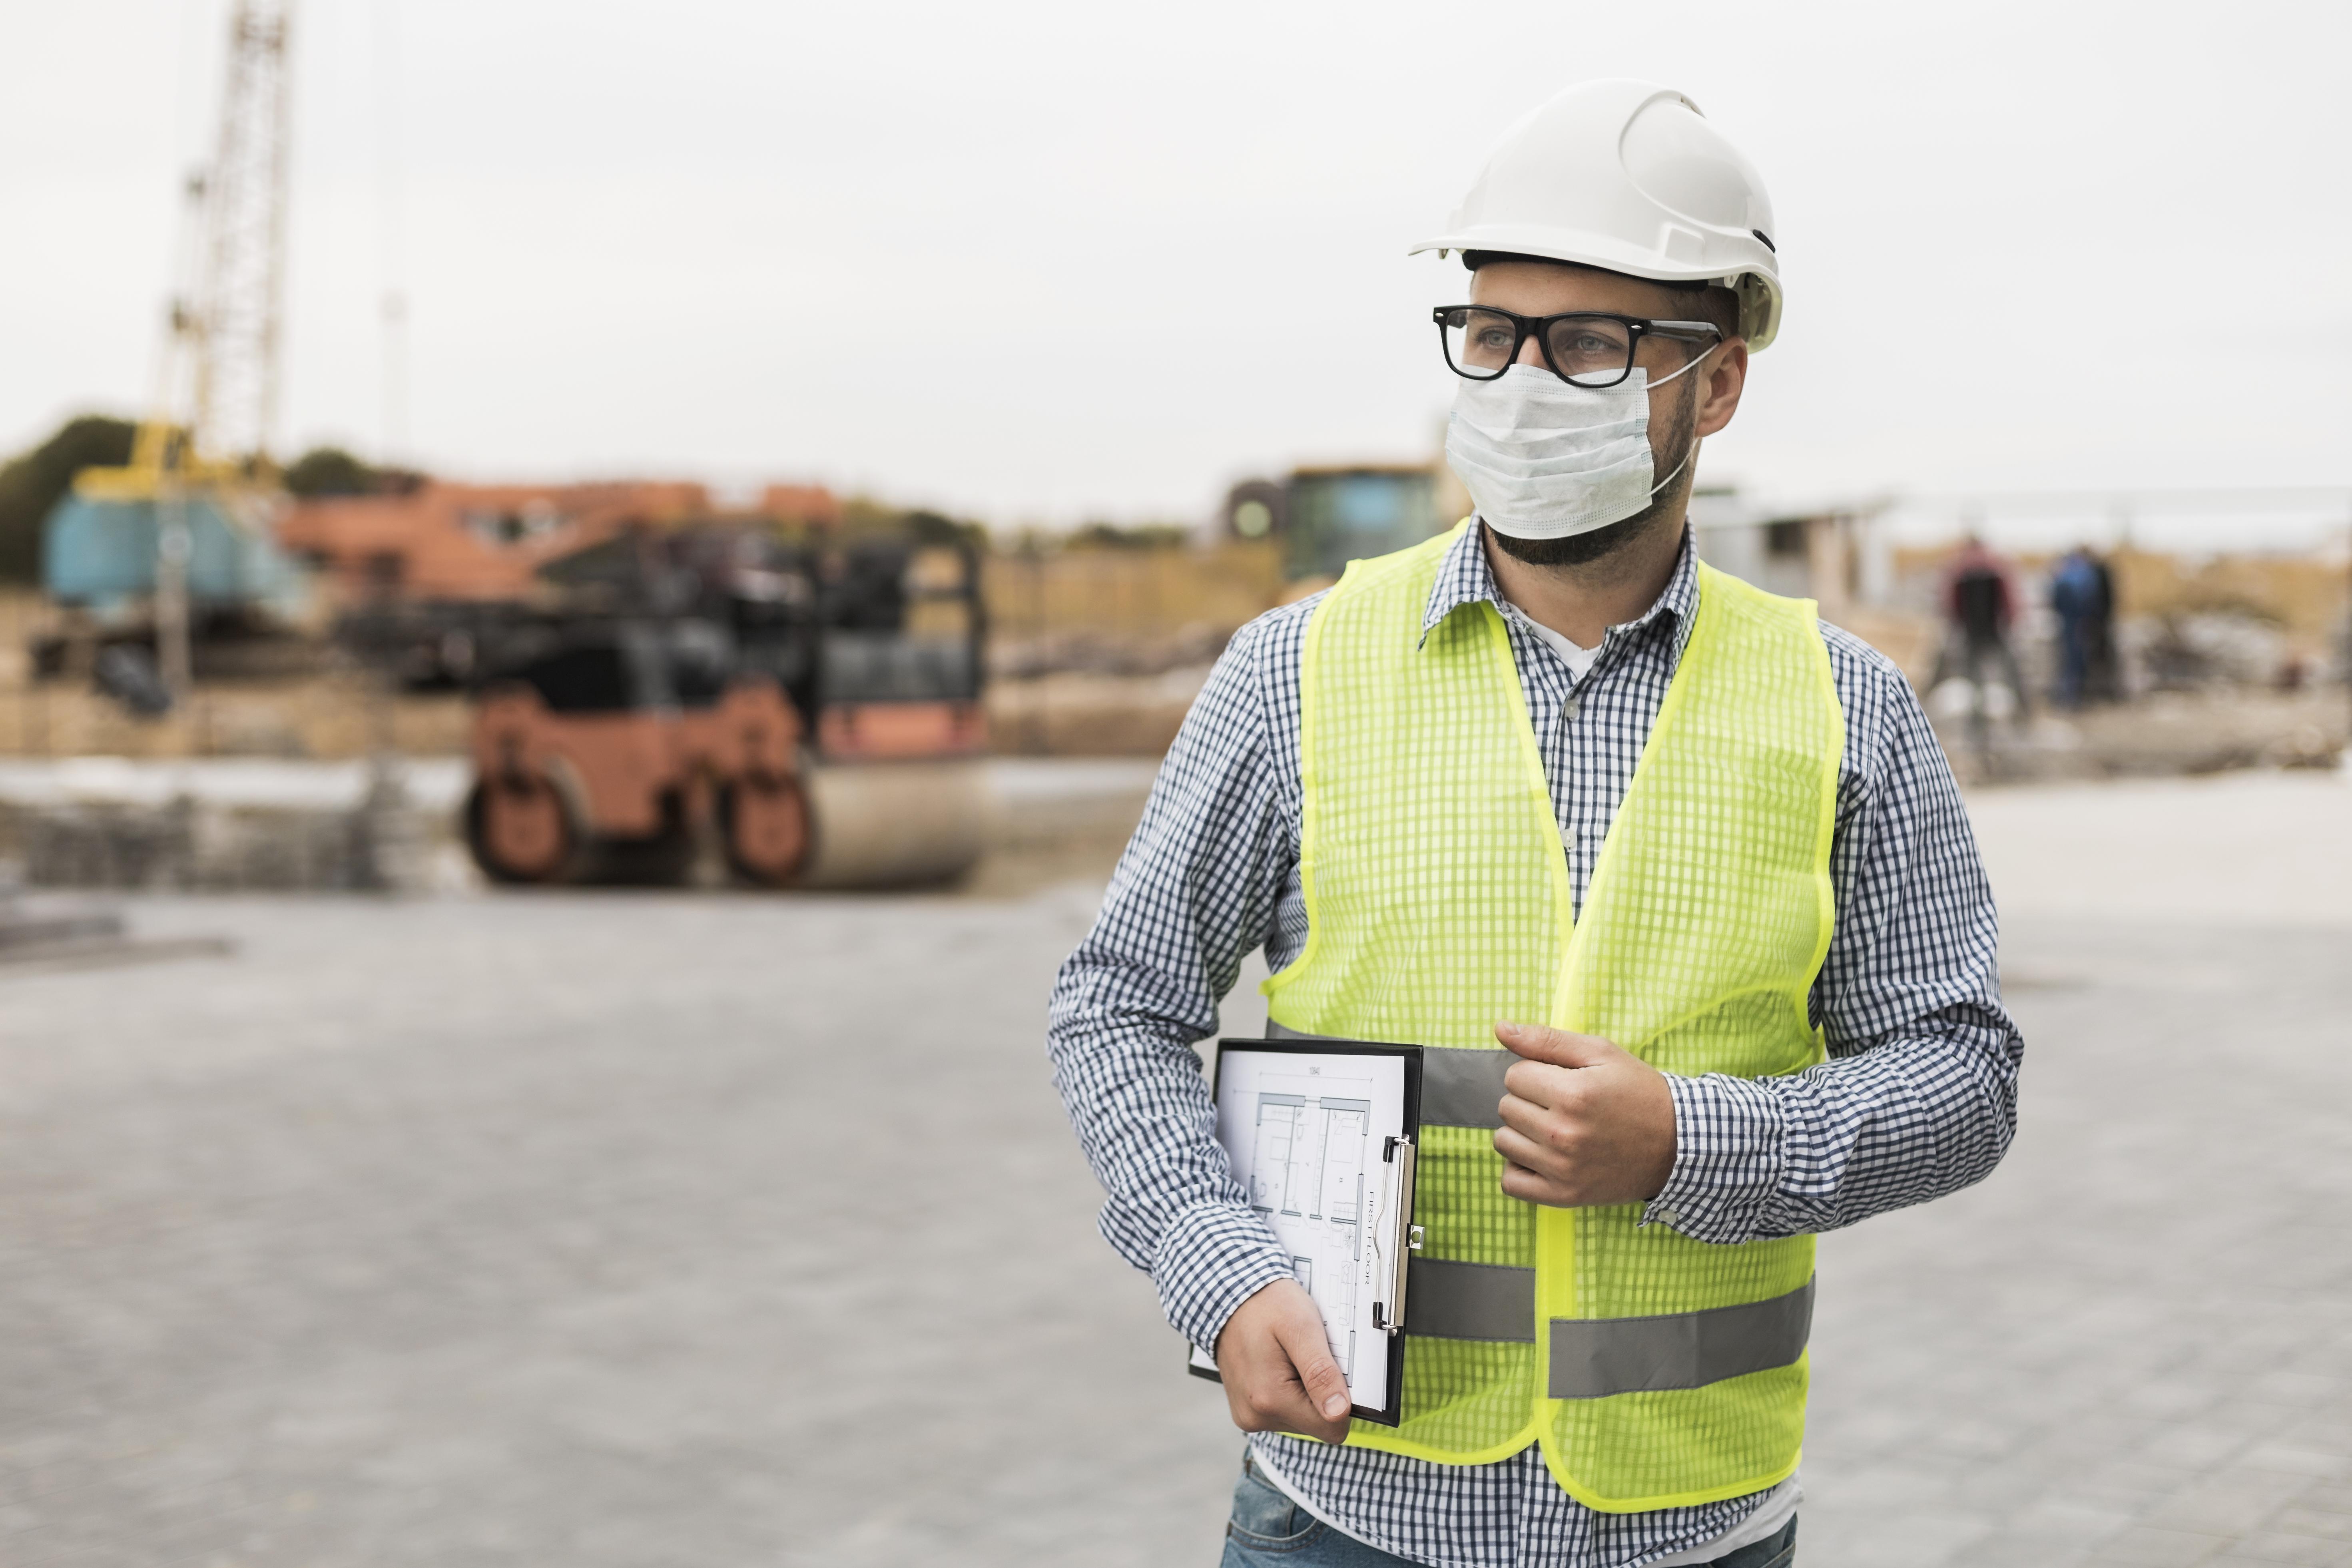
(33, 483)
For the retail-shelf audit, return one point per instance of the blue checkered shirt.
(1917, 1099)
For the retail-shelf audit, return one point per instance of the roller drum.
(895, 823)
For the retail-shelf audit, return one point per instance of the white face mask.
(1545, 460)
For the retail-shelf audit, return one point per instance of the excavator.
(813, 709)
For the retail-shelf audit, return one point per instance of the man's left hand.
(1584, 1123)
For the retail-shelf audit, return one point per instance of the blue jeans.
(1270, 1530)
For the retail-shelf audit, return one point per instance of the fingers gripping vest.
(1655, 1371)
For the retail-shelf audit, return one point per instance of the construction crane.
(232, 334)
(200, 466)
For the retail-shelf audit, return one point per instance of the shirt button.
(1568, 708)
(1669, 1217)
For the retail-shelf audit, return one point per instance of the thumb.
(1319, 1373)
(1558, 1046)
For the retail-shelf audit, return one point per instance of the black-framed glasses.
(1586, 348)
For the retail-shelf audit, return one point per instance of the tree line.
(34, 481)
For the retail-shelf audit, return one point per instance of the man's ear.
(1721, 386)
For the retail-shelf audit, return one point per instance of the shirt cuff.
(1212, 1259)
(1730, 1134)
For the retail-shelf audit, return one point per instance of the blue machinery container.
(101, 554)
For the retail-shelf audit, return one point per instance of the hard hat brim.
(1612, 255)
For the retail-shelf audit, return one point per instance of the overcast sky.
(1045, 261)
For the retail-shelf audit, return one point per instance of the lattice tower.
(233, 323)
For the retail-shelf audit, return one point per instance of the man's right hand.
(1277, 1363)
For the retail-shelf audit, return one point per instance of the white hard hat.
(1629, 176)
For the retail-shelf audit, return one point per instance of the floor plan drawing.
(1309, 1166)
(1312, 1137)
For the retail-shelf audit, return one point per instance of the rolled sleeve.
(1730, 1134)
(1213, 1257)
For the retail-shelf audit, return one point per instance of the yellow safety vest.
(1655, 1371)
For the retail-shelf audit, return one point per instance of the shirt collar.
(1465, 577)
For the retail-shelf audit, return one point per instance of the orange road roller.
(828, 739)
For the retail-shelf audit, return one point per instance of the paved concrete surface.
(2247, 848)
(2134, 1343)
(613, 1229)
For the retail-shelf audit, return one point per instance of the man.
(1980, 604)
(2078, 593)
(2106, 676)
(1547, 781)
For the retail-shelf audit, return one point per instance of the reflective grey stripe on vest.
(1458, 1088)
(1453, 1301)
(1592, 1358)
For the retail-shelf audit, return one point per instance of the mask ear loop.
(1685, 369)
(1670, 478)
(1692, 450)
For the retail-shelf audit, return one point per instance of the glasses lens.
(1478, 342)
(1590, 351)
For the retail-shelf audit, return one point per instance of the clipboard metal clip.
(1403, 1236)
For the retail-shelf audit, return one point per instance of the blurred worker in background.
(1980, 603)
(2082, 597)
(2106, 680)
(1670, 879)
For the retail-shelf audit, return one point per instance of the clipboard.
(1324, 1135)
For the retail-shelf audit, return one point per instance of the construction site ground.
(611, 1229)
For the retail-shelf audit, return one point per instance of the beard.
(1665, 508)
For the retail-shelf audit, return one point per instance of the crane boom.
(237, 317)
